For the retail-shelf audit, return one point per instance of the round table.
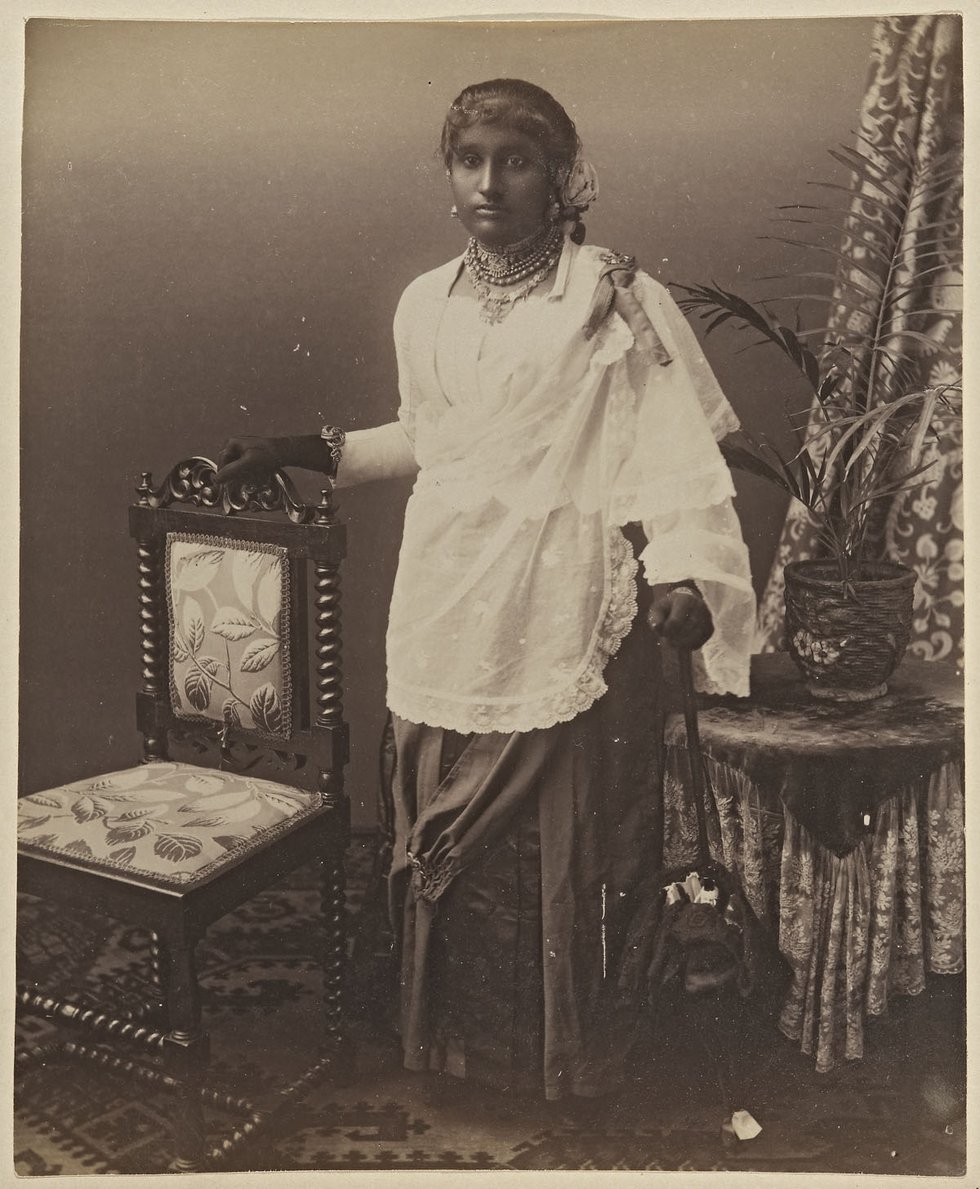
(845, 824)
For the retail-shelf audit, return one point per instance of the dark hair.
(521, 105)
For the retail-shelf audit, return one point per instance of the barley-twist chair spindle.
(253, 676)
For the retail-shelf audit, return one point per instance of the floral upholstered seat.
(170, 823)
(240, 649)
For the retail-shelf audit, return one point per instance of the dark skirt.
(508, 941)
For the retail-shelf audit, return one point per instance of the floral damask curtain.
(915, 90)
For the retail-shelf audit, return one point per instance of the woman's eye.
(517, 162)
(470, 161)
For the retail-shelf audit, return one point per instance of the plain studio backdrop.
(219, 219)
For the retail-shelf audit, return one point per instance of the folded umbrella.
(692, 935)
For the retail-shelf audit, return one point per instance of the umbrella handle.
(694, 752)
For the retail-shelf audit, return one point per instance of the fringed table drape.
(914, 91)
(867, 897)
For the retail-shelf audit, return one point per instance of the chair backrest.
(230, 604)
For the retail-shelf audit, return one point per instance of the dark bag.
(702, 947)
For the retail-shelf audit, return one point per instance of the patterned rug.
(900, 1110)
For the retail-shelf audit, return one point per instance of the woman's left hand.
(682, 617)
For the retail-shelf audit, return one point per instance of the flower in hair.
(581, 186)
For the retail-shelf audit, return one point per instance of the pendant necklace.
(529, 261)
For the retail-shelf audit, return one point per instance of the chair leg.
(158, 967)
(334, 954)
(186, 1049)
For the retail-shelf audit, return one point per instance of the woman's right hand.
(257, 458)
(243, 458)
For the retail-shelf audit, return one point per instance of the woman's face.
(500, 184)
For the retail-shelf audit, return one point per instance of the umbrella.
(692, 940)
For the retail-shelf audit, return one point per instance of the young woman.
(552, 396)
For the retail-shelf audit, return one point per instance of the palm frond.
(863, 438)
(720, 306)
(915, 335)
(868, 424)
(848, 294)
(910, 481)
(811, 274)
(900, 291)
(922, 426)
(941, 174)
(886, 208)
(752, 346)
(887, 212)
(829, 385)
(834, 298)
(938, 245)
(868, 175)
(849, 261)
(744, 460)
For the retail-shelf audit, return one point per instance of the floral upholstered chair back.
(228, 604)
(237, 587)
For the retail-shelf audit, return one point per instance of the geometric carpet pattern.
(900, 1110)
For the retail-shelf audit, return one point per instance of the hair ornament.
(576, 194)
(581, 186)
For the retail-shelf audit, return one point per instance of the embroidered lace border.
(559, 706)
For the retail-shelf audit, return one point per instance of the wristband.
(335, 439)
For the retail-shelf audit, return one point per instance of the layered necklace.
(504, 277)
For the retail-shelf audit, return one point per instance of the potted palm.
(864, 439)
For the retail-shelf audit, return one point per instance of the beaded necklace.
(529, 261)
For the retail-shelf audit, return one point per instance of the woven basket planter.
(847, 648)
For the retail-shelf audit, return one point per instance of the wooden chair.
(227, 602)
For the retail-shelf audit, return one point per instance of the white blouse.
(534, 446)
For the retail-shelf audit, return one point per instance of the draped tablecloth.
(845, 825)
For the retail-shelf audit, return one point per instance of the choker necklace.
(529, 261)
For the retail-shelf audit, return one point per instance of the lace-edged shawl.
(515, 584)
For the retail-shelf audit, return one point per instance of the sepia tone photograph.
(491, 633)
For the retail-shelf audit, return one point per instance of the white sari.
(535, 446)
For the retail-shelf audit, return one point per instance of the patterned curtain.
(915, 89)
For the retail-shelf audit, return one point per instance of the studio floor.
(900, 1110)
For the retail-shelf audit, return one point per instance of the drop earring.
(453, 212)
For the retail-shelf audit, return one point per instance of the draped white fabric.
(515, 583)
(856, 929)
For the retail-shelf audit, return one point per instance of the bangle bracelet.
(686, 586)
(334, 438)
